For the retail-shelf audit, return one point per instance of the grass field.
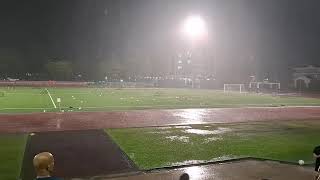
(27, 99)
(176, 145)
(11, 154)
(166, 146)
(158, 147)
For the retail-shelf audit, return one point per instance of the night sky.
(265, 37)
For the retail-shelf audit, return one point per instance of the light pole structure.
(194, 30)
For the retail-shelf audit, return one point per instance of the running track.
(38, 122)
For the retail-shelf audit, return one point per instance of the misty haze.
(160, 89)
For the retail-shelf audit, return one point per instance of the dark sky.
(270, 35)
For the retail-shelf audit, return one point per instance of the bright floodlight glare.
(194, 27)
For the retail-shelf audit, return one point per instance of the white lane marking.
(54, 105)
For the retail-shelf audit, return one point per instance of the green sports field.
(12, 148)
(27, 99)
(150, 148)
(174, 145)
(157, 147)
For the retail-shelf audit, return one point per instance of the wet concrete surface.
(240, 170)
(38, 122)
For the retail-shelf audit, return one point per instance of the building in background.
(306, 77)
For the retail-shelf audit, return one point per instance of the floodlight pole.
(190, 23)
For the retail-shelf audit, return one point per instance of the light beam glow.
(194, 27)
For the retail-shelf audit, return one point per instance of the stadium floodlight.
(194, 27)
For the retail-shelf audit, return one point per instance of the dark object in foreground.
(44, 164)
(316, 154)
(184, 176)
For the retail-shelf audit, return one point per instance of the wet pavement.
(240, 170)
(37, 122)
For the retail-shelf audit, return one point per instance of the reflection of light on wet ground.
(183, 127)
(194, 162)
(196, 173)
(167, 127)
(184, 139)
(226, 157)
(207, 132)
(191, 115)
(58, 125)
(188, 162)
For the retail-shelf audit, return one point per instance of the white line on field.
(24, 108)
(54, 105)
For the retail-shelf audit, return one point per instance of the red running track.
(37, 122)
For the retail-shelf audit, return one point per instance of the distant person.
(184, 176)
(43, 164)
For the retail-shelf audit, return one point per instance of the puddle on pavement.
(183, 139)
(194, 116)
(220, 130)
(197, 172)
